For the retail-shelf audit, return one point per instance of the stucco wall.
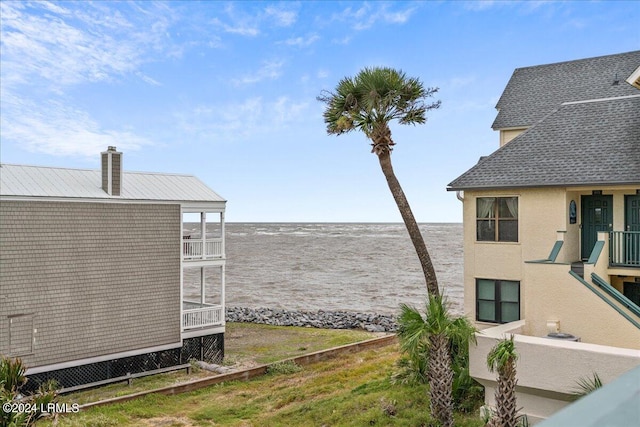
(552, 294)
(505, 260)
(571, 248)
(547, 292)
(547, 369)
(98, 278)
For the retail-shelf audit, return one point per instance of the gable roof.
(580, 143)
(52, 182)
(532, 92)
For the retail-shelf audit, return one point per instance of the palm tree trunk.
(384, 156)
(506, 409)
(440, 377)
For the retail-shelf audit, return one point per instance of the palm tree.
(437, 333)
(12, 378)
(586, 385)
(369, 102)
(502, 358)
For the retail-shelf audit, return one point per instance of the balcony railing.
(192, 249)
(624, 248)
(204, 315)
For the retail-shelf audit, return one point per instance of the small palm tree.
(435, 333)
(502, 358)
(368, 102)
(12, 378)
(586, 385)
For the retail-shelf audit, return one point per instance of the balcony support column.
(202, 285)
(222, 290)
(203, 231)
(222, 234)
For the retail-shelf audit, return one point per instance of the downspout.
(460, 195)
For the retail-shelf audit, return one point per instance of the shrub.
(12, 378)
(284, 367)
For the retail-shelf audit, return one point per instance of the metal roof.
(532, 92)
(593, 142)
(52, 182)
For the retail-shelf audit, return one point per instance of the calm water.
(358, 267)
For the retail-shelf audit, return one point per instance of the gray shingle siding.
(592, 143)
(100, 278)
(532, 92)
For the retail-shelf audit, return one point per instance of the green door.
(597, 215)
(632, 213)
(632, 224)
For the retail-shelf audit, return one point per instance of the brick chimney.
(112, 171)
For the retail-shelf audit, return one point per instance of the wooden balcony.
(624, 249)
(197, 315)
(197, 249)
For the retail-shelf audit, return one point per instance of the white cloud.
(238, 22)
(302, 41)
(249, 24)
(235, 122)
(48, 48)
(370, 14)
(283, 17)
(481, 4)
(527, 6)
(343, 41)
(54, 128)
(398, 17)
(65, 46)
(285, 110)
(241, 28)
(269, 71)
(148, 79)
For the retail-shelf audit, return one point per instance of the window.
(497, 219)
(497, 301)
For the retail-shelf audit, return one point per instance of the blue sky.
(227, 91)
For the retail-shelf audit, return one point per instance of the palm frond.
(586, 385)
(501, 354)
(412, 333)
(375, 97)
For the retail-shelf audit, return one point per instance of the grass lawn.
(351, 390)
(246, 345)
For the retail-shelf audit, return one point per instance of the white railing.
(213, 248)
(209, 315)
(192, 249)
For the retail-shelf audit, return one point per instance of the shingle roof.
(581, 143)
(532, 92)
(38, 181)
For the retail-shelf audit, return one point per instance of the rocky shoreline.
(371, 322)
